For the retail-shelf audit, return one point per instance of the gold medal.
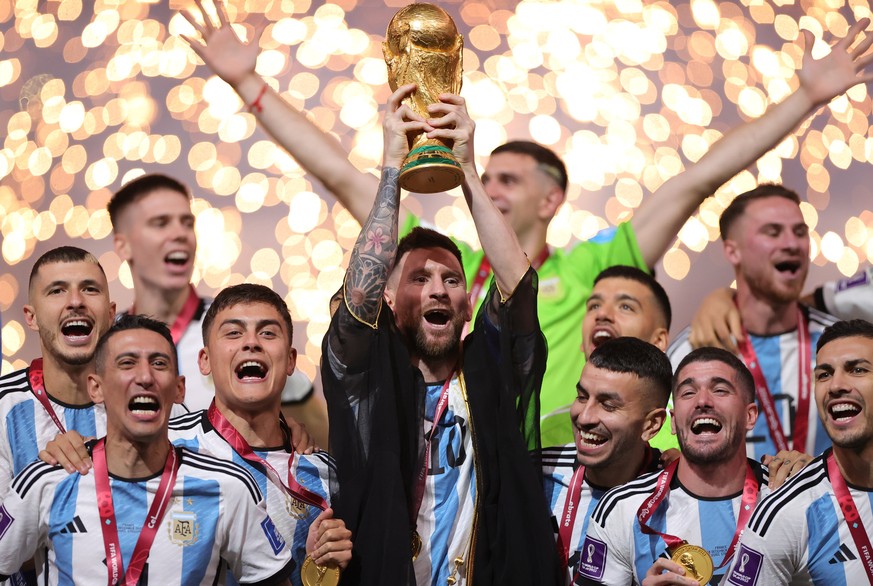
(416, 545)
(695, 560)
(314, 575)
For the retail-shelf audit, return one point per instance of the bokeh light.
(628, 92)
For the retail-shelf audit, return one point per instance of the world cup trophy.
(422, 46)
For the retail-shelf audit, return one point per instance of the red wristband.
(256, 103)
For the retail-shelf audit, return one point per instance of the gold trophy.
(422, 46)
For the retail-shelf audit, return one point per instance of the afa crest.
(183, 528)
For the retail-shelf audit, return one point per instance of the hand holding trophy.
(423, 47)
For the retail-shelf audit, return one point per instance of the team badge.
(295, 507)
(183, 528)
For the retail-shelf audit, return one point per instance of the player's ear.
(95, 388)
(653, 422)
(203, 362)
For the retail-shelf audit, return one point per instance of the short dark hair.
(245, 293)
(711, 354)
(62, 254)
(420, 237)
(634, 356)
(127, 322)
(739, 204)
(134, 190)
(640, 276)
(853, 328)
(548, 162)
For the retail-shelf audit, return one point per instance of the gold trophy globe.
(422, 46)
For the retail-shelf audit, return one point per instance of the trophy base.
(430, 169)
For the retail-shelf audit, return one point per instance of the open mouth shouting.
(789, 268)
(602, 334)
(438, 317)
(144, 406)
(77, 330)
(251, 371)
(178, 260)
(706, 425)
(843, 412)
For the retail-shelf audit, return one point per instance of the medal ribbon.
(37, 386)
(768, 405)
(233, 437)
(571, 506)
(440, 410)
(662, 489)
(568, 517)
(185, 315)
(850, 514)
(111, 543)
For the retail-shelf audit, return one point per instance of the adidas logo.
(843, 555)
(75, 526)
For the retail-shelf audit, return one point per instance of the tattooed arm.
(373, 256)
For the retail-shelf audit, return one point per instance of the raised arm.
(499, 242)
(374, 253)
(316, 151)
(662, 214)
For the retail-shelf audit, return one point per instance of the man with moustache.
(436, 482)
(153, 230)
(69, 307)
(528, 183)
(619, 407)
(766, 240)
(150, 512)
(699, 504)
(816, 529)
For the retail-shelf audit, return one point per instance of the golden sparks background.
(95, 93)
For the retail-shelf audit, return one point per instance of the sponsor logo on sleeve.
(273, 535)
(592, 558)
(747, 566)
(5, 521)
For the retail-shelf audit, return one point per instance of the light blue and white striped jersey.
(217, 518)
(445, 519)
(195, 432)
(798, 535)
(778, 356)
(619, 553)
(558, 464)
(26, 427)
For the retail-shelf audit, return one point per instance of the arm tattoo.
(373, 256)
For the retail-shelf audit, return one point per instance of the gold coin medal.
(696, 561)
(312, 574)
(416, 545)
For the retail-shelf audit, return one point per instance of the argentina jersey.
(558, 465)
(617, 552)
(26, 427)
(447, 512)
(216, 519)
(778, 356)
(313, 472)
(798, 535)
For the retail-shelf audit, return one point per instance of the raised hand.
(824, 79)
(451, 122)
(399, 124)
(219, 46)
